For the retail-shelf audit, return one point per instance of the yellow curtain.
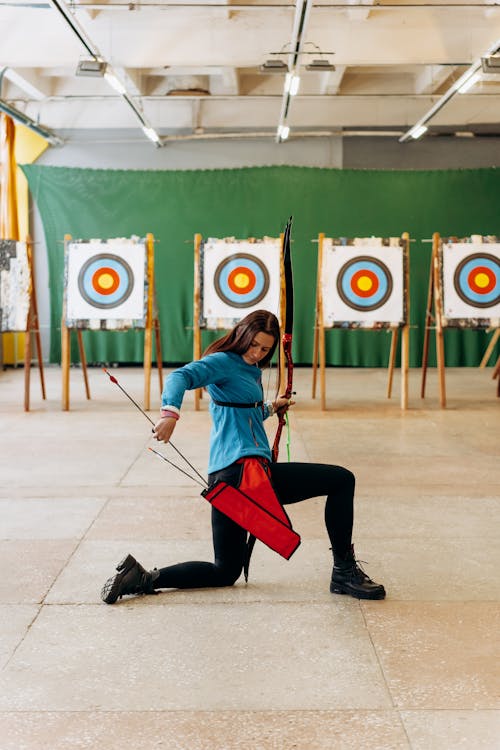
(9, 224)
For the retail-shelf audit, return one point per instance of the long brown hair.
(239, 338)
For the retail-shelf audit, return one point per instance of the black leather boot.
(349, 578)
(131, 578)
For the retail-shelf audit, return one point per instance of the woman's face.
(261, 345)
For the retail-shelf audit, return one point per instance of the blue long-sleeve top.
(227, 377)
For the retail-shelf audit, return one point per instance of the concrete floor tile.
(434, 569)
(305, 577)
(29, 568)
(438, 655)
(460, 730)
(38, 518)
(181, 657)
(14, 623)
(204, 730)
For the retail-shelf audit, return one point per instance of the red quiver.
(255, 506)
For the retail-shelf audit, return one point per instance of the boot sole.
(374, 595)
(111, 589)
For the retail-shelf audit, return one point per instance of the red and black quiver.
(255, 506)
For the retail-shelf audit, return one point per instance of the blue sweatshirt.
(227, 377)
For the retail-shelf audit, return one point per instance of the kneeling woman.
(231, 371)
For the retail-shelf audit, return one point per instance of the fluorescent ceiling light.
(283, 132)
(418, 131)
(469, 83)
(115, 83)
(292, 83)
(151, 134)
(23, 119)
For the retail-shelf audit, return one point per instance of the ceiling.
(193, 69)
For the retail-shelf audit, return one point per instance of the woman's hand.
(164, 428)
(282, 404)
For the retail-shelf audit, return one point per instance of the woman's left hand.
(282, 404)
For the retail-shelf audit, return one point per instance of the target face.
(471, 280)
(477, 280)
(105, 281)
(362, 287)
(364, 283)
(238, 277)
(241, 280)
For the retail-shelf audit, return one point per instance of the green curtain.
(253, 202)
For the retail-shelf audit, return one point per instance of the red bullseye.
(481, 280)
(241, 280)
(364, 283)
(105, 280)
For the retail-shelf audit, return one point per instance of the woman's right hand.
(164, 428)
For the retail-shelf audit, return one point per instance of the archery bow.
(287, 335)
(287, 351)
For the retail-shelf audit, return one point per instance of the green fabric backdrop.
(253, 202)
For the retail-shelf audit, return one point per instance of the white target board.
(471, 282)
(238, 277)
(15, 286)
(362, 284)
(106, 283)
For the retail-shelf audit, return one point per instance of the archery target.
(362, 286)
(239, 277)
(471, 280)
(105, 280)
(15, 286)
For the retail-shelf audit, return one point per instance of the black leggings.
(292, 483)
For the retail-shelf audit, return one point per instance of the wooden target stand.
(434, 320)
(152, 327)
(32, 330)
(319, 354)
(197, 311)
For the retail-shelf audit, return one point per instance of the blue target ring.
(477, 280)
(241, 280)
(105, 281)
(364, 283)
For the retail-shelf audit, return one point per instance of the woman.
(231, 371)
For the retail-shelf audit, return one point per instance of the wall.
(129, 150)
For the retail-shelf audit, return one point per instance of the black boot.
(349, 578)
(131, 578)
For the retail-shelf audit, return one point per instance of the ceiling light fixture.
(274, 66)
(91, 68)
(320, 66)
(491, 64)
(23, 119)
(460, 85)
(469, 83)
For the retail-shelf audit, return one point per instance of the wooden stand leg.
(159, 357)
(315, 360)
(490, 348)
(83, 360)
(65, 364)
(392, 360)
(496, 374)
(322, 368)
(27, 369)
(148, 346)
(405, 362)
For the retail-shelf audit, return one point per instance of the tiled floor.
(279, 663)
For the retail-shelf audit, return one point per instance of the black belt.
(238, 405)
